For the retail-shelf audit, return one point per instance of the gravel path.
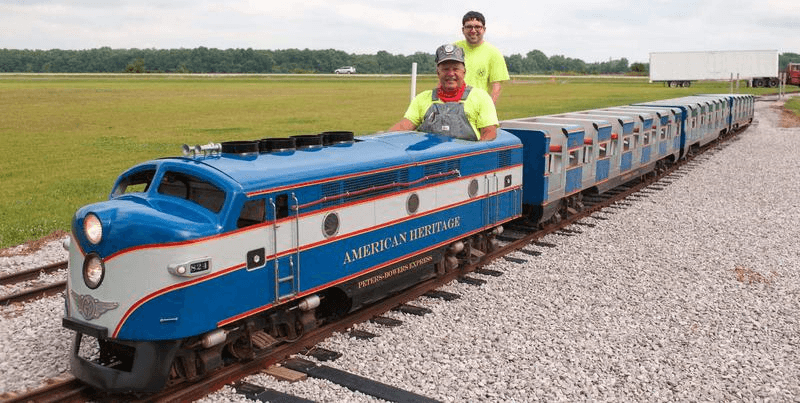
(690, 294)
(34, 345)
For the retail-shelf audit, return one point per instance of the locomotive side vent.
(331, 189)
(348, 191)
(439, 168)
(377, 181)
(504, 158)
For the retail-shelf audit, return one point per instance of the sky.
(590, 30)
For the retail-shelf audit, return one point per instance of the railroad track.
(620, 197)
(37, 291)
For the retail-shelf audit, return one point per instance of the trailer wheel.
(673, 84)
(773, 82)
(758, 83)
(686, 84)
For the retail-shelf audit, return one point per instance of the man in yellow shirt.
(486, 66)
(453, 108)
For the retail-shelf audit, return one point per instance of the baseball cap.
(449, 52)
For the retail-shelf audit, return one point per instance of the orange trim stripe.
(173, 287)
(342, 177)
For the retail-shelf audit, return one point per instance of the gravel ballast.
(689, 294)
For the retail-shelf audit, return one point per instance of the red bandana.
(450, 96)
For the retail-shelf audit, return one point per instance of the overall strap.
(466, 93)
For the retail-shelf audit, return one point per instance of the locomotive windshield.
(176, 184)
(194, 189)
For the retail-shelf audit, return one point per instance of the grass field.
(793, 105)
(68, 137)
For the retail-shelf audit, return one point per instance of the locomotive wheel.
(467, 255)
(241, 348)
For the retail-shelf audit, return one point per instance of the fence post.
(413, 80)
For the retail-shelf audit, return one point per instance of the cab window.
(281, 206)
(253, 212)
(137, 182)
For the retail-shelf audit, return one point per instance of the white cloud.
(592, 30)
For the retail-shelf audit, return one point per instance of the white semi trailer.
(679, 69)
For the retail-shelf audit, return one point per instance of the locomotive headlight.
(93, 229)
(93, 271)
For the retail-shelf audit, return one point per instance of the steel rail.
(31, 274)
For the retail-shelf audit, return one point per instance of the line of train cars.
(236, 247)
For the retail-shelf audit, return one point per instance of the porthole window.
(473, 188)
(330, 226)
(412, 203)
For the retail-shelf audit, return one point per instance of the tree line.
(212, 60)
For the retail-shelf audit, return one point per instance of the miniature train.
(236, 247)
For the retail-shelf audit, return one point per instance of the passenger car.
(345, 70)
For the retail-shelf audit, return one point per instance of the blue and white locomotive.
(194, 259)
(239, 246)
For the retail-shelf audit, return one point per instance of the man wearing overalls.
(453, 108)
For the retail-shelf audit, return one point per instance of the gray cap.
(449, 52)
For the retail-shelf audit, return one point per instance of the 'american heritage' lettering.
(387, 243)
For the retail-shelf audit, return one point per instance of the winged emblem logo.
(91, 307)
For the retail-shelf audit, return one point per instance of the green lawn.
(70, 136)
(793, 104)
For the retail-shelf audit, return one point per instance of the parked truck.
(793, 74)
(679, 69)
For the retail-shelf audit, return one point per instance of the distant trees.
(212, 60)
(107, 60)
(136, 67)
(786, 58)
(640, 68)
